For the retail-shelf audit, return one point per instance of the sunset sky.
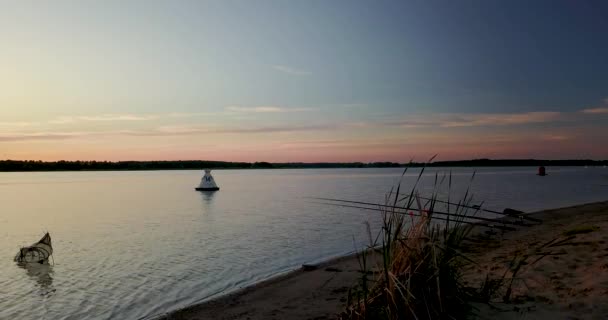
(303, 80)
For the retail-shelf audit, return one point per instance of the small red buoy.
(541, 171)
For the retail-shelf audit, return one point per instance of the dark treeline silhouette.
(16, 165)
(517, 163)
(302, 165)
(32, 165)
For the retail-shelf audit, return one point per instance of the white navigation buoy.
(207, 183)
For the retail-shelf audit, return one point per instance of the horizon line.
(319, 162)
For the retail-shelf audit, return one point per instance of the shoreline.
(22, 166)
(326, 286)
(332, 265)
(320, 167)
(321, 293)
(263, 281)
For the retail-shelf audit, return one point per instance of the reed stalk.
(419, 271)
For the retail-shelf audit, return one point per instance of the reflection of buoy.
(541, 171)
(207, 183)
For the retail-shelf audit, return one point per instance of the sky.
(303, 81)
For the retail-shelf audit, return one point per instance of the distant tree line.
(32, 165)
(37, 165)
(518, 163)
(321, 165)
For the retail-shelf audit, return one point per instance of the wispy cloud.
(352, 105)
(278, 129)
(291, 70)
(103, 117)
(113, 117)
(475, 120)
(25, 131)
(600, 110)
(39, 136)
(339, 144)
(178, 130)
(409, 122)
(554, 137)
(265, 109)
(120, 117)
(191, 114)
(502, 119)
(17, 124)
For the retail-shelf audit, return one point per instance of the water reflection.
(207, 197)
(42, 273)
(201, 244)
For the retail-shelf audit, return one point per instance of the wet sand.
(572, 283)
(315, 294)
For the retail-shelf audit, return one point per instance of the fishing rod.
(507, 212)
(491, 226)
(433, 212)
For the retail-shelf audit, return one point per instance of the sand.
(317, 294)
(571, 283)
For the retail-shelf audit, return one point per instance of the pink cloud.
(39, 136)
(601, 110)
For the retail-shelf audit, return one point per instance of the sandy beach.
(570, 281)
(315, 294)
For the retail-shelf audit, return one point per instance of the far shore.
(53, 166)
(573, 284)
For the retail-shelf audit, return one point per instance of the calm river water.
(130, 245)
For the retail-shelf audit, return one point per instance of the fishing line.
(419, 215)
(430, 211)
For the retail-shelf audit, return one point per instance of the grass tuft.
(419, 272)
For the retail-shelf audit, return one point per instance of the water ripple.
(130, 245)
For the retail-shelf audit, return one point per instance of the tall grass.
(418, 272)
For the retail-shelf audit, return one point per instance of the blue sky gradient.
(303, 80)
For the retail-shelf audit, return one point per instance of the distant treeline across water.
(32, 165)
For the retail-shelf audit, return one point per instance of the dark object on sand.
(309, 267)
(519, 214)
(541, 171)
(38, 252)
